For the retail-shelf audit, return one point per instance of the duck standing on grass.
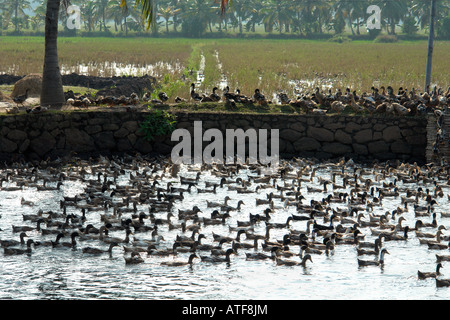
(194, 95)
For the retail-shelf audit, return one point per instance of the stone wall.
(39, 136)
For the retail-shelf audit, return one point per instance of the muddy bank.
(124, 85)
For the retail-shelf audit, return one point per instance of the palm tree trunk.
(52, 90)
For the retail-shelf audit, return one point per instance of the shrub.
(158, 123)
(340, 38)
(386, 38)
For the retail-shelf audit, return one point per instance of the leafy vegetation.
(158, 123)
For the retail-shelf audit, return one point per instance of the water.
(108, 69)
(63, 273)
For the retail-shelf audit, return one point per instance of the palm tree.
(116, 13)
(88, 12)
(394, 11)
(52, 93)
(17, 9)
(168, 13)
(149, 12)
(278, 12)
(100, 7)
(422, 9)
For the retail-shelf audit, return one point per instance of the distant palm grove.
(203, 18)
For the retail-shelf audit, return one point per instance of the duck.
(98, 251)
(26, 202)
(50, 242)
(438, 246)
(135, 258)
(262, 255)
(152, 251)
(163, 96)
(16, 251)
(194, 95)
(147, 96)
(180, 263)
(212, 204)
(72, 244)
(179, 99)
(22, 228)
(442, 283)
(214, 96)
(361, 251)
(107, 239)
(13, 242)
(218, 259)
(425, 275)
(287, 262)
(283, 97)
(440, 258)
(395, 236)
(380, 261)
(311, 250)
(259, 97)
(219, 238)
(156, 240)
(231, 208)
(21, 99)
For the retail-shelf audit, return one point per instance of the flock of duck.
(381, 100)
(135, 206)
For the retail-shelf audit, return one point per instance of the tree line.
(196, 17)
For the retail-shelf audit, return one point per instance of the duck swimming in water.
(425, 275)
(380, 261)
(16, 251)
(180, 263)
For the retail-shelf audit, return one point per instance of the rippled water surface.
(64, 273)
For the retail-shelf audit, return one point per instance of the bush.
(386, 38)
(340, 38)
(158, 123)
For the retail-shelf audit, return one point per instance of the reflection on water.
(66, 273)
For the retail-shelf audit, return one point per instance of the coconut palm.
(167, 13)
(89, 18)
(278, 12)
(116, 13)
(394, 11)
(52, 93)
(421, 11)
(17, 10)
(100, 7)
